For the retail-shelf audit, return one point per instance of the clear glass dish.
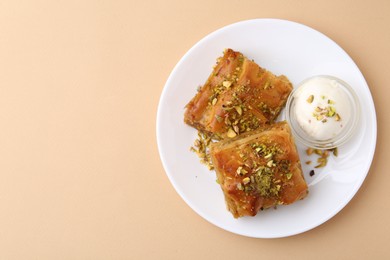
(319, 130)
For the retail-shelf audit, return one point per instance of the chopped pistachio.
(331, 111)
(227, 121)
(270, 163)
(201, 148)
(266, 85)
(197, 143)
(227, 83)
(323, 164)
(246, 180)
(322, 159)
(214, 101)
(325, 153)
(238, 109)
(337, 117)
(310, 99)
(236, 129)
(241, 171)
(335, 151)
(309, 151)
(289, 175)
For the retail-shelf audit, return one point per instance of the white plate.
(282, 47)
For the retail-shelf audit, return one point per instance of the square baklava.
(259, 169)
(239, 96)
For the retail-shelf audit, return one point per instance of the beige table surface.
(80, 173)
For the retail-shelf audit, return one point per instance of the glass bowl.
(323, 112)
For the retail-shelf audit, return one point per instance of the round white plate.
(283, 47)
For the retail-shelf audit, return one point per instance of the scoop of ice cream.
(322, 108)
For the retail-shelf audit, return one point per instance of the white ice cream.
(322, 108)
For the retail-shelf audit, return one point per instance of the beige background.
(80, 173)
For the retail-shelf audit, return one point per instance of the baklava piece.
(239, 96)
(259, 170)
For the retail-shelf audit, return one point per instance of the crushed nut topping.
(323, 113)
(201, 148)
(322, 160)
(310, 99)
(262, 167)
